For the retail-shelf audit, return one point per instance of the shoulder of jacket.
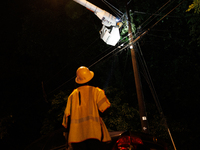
(73, 92)
(99, 89)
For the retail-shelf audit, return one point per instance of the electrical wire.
(155, 14)
(119, 42)
(153, 91)
(121, 45)
(162, 37)
(119, 13)
(129, 2)
(124, 68)
(61, 85)
(100, 54)
(75, 59)
(114, 9)
(167, 14)
(136, 39)
(90, 66)
(68, 80)
(149, 18)
(144, 32)
(145, 69)
(144, 13)
(80, 55)
(108, 54)
(149, 80)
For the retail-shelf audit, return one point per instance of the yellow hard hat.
(83, 75)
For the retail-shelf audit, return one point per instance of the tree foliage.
(47, 40)
(53, 119)
(5, 124)
(195, 5)
(122, 115)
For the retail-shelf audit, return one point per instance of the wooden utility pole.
(142, 109)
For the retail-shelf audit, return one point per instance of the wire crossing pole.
(142, 109)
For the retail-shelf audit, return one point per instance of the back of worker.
(87, 128)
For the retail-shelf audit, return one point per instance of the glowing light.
(121, 45)
(144, 118)
(144, 128)
(117, 19)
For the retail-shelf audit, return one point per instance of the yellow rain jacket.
(82, 106)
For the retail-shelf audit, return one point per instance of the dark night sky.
(22, 71)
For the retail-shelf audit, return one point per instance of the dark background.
(46, 41)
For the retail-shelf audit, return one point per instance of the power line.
(88, 67)
(114, 9)
(144, 13)
(109, 5)
(155, 14)
(67, 65)
(61, 85)
(136, 39)
(109, 54)
(167, 13)
(147, 74)
(153, 91)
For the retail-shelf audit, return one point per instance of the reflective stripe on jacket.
(82, 106)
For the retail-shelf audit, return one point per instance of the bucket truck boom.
(109, 33)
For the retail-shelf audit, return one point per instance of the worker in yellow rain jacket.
(86, 128)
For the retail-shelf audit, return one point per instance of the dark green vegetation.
(47, 40)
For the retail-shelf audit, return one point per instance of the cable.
(108, 54)
(129, 2)
(101, 53)
(153, 91)
(111, 6)
(144, 13)
(136, 39)
(142, 34)
(67, 65)
(151, 16)
(114, 9)
(163, 37)
(155, 14)
(149, 80)
(61, 85)
(78, 56)
(89, 67)
(124, 69)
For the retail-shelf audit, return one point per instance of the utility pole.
(140, 96)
